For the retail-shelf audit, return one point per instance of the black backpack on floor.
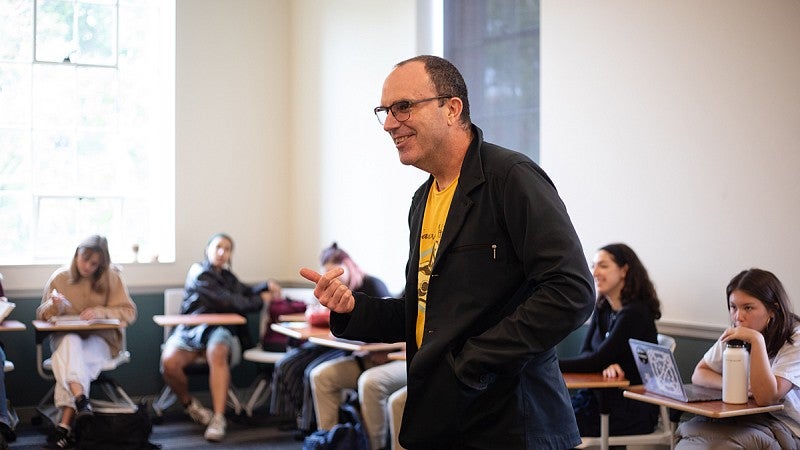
(115, 431)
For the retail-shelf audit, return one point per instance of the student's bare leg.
(173, 362)
(219, 375)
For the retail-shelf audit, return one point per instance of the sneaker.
(216, 428)
(7, 432)
(198, 413)
(61, 438)
(83, 415)
(83, 407)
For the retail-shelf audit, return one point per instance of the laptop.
(660, 374)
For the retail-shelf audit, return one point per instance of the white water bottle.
(735, 372)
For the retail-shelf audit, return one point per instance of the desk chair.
(117, 400)
(173, 298)
(663, 433)
(262, 389)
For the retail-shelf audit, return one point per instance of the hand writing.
(60, 302)
(88, 314)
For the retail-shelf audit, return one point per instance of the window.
(86, 128)
(495, 45)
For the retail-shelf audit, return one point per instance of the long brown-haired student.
(93, 288)
(761, 316)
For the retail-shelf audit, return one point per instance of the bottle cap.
(736, 343)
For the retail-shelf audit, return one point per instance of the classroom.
(671, 126)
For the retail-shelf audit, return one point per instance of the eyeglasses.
(402, 110)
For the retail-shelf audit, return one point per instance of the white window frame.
(159, 143)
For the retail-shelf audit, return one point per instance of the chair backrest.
(173, 298)
(666, 341)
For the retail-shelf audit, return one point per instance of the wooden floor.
(177, 431)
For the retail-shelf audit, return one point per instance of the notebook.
(660, 374)
(5, 309)
(75, 319)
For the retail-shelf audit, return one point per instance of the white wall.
(233, 146)
(674, 126)
(350, 186)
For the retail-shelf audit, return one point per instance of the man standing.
(496, 278)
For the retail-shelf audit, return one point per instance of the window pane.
(96, 92)
(15, 94)
(78, 32)
(16, 211)
(54, 30)
(86, 148)
(14, 160)
(54, 96)
(97, 31)
(60, 219)
(495, 44)
(17, 29)
(54, 161)
(97, 164)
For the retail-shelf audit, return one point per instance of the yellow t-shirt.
(436, 209)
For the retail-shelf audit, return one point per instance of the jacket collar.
(470, 177)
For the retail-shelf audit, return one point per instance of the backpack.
(347, 435)
(272, 340)
(116, 431)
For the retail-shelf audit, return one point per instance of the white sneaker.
(198, 413)
(216, 428)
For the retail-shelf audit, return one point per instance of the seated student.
(93, 288)
(211, 287)
(7, 433)
(627, 307)
(375, 377)
(291, 389)
(761, 316)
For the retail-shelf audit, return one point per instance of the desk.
(44, 328)
(170, 320)
(322, 336)
(592, 381)
(12, 325)
(596, 381)
(355, 346)
(716, 409)
(299, 330)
